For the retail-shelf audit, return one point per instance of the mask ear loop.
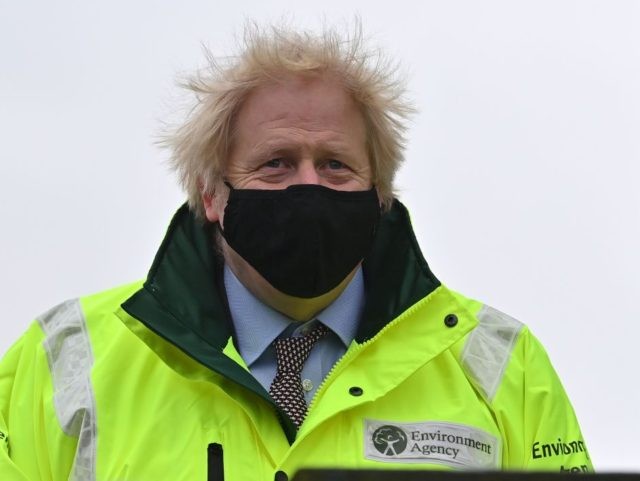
(218, 225)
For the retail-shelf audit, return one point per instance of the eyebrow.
(285, 147)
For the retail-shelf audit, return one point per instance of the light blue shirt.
(258, 325)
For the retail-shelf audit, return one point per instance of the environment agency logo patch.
(455, 445)
(389, 440)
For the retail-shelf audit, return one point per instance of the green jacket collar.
(183, 298)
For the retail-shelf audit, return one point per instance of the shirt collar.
(258, 325)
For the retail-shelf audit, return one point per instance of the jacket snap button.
(451, 320)
(355, 391)
(281, 476)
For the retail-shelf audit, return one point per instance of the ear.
(210, 207)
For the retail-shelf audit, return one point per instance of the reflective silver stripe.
(488, 349)
(70, 360)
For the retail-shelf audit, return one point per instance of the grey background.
(522, 170)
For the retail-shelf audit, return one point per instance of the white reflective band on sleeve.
(489, 347)
(70, 360)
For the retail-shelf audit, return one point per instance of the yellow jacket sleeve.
(32, 445)
(541, 428)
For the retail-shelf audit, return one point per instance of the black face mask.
(304, 240)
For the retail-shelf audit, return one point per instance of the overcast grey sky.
(522, 168)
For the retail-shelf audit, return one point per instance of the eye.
(335, 165)
(274, 163)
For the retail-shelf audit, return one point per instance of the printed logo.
(540, 450)
(389, 440)
(455, 445)
(568, 450)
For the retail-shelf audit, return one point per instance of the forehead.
(307, 101)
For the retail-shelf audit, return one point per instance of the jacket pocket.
(215, 466)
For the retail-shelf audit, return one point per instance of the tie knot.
(292, 352)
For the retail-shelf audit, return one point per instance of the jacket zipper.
(215, 466)
(358, 348)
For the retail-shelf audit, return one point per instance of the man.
(289, 319)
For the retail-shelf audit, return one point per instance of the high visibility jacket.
(144, 382)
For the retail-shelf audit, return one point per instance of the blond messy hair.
(202, 143)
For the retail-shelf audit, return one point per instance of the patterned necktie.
(286, 388)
